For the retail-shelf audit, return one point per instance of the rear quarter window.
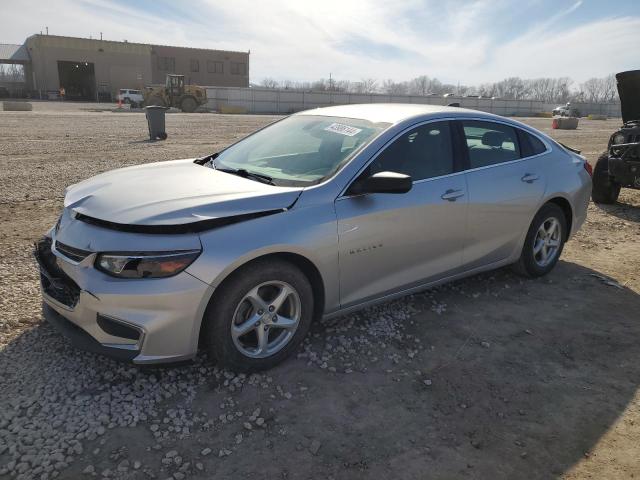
(530, 145)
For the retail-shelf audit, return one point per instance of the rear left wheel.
(544, 242)
(259, 316)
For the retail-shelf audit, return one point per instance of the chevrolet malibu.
(318, 214)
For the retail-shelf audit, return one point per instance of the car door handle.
(452, 195)
(530, 177)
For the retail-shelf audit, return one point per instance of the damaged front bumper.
(624, 164)
(140, 320)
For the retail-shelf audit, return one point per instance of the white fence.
(262, 100)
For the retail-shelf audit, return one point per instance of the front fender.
(310, 232)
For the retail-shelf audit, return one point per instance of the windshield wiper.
(241, 172)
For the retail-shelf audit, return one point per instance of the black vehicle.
(619, 166)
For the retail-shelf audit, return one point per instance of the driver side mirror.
(382, 182)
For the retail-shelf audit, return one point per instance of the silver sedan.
(321, 213)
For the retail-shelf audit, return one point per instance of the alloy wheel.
(547, 242)
(266, 319)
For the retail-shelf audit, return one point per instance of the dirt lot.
(491, 377)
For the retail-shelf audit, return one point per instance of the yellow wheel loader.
(176, 94)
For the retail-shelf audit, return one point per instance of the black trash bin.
(155, 121)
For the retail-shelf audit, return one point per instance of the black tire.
(229, 297)
(605, 189)
(188, 105)
(528, 265)
(155, 100)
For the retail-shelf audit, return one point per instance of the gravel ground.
(490, 377)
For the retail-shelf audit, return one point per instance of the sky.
(469, 42)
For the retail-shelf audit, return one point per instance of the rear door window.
(490, 143)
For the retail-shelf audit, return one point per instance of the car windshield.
(300, 150)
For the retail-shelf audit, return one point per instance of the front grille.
(72, 253)
(55, 283)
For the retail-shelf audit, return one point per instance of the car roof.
(392, 112)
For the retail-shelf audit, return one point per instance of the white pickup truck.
(133, 97)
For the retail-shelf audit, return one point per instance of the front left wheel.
(259, 316)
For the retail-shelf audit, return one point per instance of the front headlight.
(618, 138)
(145, 265)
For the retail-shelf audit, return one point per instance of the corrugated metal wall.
(258, 100)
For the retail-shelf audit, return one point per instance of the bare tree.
(269, 82)
(599, 89)
(394, 88)
(547, 89)
(420, 85)
(366, 85)
(610, 88)
(594, 89)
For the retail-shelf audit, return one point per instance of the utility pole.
(47, 28)
(330, 82)
(100, 35)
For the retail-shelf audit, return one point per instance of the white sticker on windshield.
(343, 129)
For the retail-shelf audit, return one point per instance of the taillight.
(588, 168)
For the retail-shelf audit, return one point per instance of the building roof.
(125, 42)
(14, 53)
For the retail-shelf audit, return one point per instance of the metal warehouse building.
(90, 69)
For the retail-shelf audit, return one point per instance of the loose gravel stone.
(315, 447)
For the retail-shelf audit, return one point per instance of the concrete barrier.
(283, 101)
(564, 123)
(231, 109)
(17, 106)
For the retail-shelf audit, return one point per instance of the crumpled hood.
(629, 92)
(173, 193)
